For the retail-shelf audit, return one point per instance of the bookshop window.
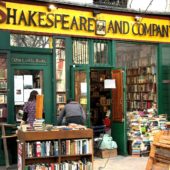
(60, 74)
(3, 88)
(25, 81)
(80, 52)
(101, 52)
(140, 63)
(34, 41)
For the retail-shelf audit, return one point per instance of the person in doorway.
(30, 109)
(72, 113)
(107, 123)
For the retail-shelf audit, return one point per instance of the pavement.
(120, 163)
(113, 163)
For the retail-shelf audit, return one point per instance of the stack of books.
(142, 129)
(39, 125)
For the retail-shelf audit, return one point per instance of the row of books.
(51, 148)
(141, 96)
(141, 79)
(139, 105)
(76, 147)
(142, 88)
(141, 71)
(71, 165)
(41, 149)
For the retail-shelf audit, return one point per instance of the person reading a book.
(72, 113)
(30, 109)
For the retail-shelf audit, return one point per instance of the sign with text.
(36, 18)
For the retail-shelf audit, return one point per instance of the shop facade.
(105, 59)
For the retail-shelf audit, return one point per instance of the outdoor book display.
(141, 130)
(55, 149)
(159, 157)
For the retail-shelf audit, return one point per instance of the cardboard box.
(106, 153)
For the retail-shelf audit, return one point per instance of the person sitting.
(72, 113)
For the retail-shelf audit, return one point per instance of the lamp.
(52, 7)
(95, 13)
(138, 18)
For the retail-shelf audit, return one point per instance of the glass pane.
(80, 52)
(25, 81)
(140, 63)
(3, 88)
(101, 53)
(60, 74)
(81, 89)
(30, 41)
(135, 55)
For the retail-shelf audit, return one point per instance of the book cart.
(55, 150)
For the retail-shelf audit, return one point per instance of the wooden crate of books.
(106, 153)
(159, 157)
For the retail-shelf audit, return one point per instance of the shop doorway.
(25, 81)
(107, 100)
(100, 96)
(31, 71)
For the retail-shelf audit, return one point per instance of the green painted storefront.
(21, 58)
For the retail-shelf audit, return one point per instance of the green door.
(164, 80)
(31, 71)
(80, 89)
(119, 133)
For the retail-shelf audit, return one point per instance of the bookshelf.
(55, 149)
(141, 87)
(3, 89)
(60, 75)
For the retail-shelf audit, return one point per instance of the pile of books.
(39, 125)
(141, 131)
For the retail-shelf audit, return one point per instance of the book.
(55, 148)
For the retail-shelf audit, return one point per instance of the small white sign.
(83, 88)
(109, 83)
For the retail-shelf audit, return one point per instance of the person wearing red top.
(107, 122)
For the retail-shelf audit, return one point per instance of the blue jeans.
(75, 119)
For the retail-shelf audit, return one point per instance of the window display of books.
(142, 127)
(141, 88)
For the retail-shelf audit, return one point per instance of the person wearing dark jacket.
(72, 113)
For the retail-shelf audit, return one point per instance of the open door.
(119, 133)
(80, 89)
